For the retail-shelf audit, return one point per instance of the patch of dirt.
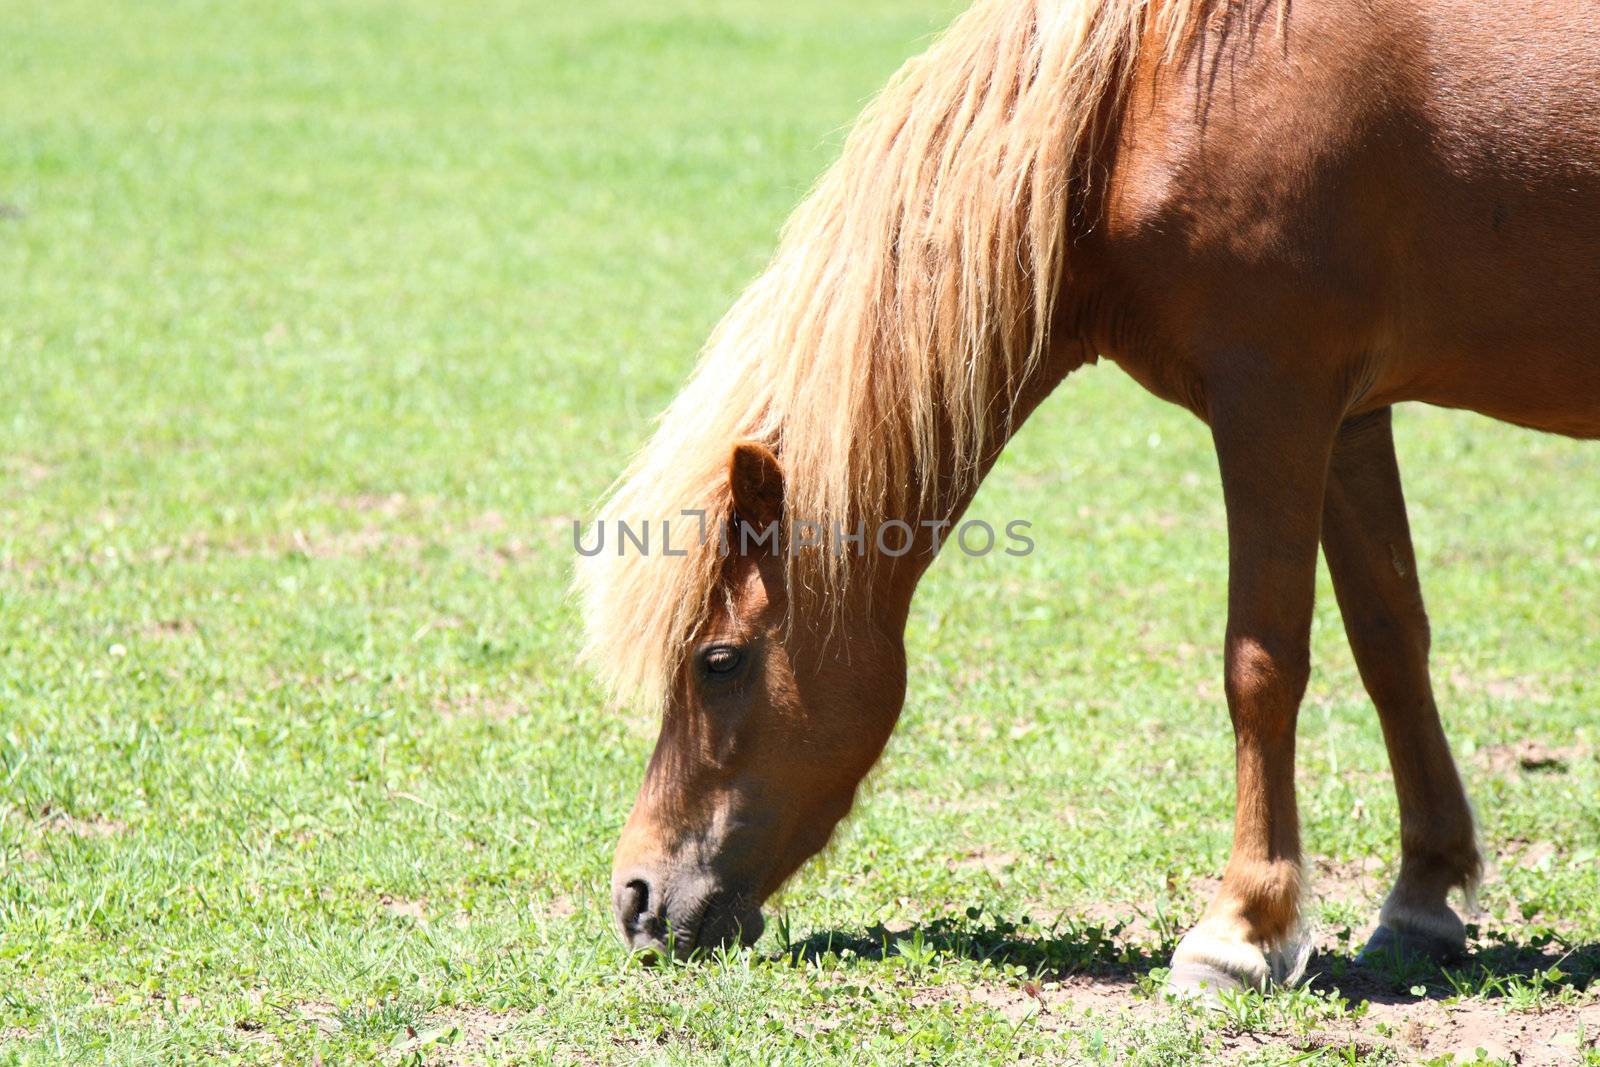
(514, 549)
(322, 1014)
(184, 1001)
(1429, 1029)
(1363, 882)
(460, 1036)
(405, 908)
(1412, 1030)
(1528, 757)
(449, 1036)
(372, 533)
(1518, 852)
(1201, 889)
(390, 505)
(561, 907)
(994, 863)
(313, 543)
(545, 534)
(26, 567)
(478, 706)
(172, 628)
(342, 544)
(1517, 689)
(28, 472)
(1053, 1004)
(93, 827)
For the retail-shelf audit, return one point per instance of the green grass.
(318, 323)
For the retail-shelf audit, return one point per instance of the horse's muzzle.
(683, 914)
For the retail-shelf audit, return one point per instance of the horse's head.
(769, 726)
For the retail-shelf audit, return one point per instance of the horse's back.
(1411, 189)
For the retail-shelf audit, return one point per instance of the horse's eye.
(721, 659)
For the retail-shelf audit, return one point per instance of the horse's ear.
(756, 482)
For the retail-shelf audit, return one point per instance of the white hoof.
(1211, 958)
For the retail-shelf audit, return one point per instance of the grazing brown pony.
(1283, 217)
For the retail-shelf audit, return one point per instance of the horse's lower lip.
(709, 928)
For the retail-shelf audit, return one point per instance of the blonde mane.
(909, 299)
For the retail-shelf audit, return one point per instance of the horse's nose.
(637, 906)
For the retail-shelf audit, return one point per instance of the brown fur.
(1286, 218)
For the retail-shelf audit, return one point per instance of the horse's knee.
(1263, 674)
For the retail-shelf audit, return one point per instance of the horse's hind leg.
(1273, 449)
(1368, 546)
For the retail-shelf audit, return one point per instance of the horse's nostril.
(633, 903)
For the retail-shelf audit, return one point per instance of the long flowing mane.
(908, 301)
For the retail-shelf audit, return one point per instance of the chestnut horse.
(1283, 217)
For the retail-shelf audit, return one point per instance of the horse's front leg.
(1273, 444)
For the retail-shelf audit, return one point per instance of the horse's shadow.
(1064, 949)
(1496, 964)
(1532, 966)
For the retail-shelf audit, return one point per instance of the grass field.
(318, 325)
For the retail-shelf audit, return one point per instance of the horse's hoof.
(1388, 944)
(1202, 982)
(1211, 960)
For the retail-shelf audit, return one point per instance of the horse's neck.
(936, 522)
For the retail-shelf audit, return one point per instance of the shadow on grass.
(1064, 949)
(1532, 969)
